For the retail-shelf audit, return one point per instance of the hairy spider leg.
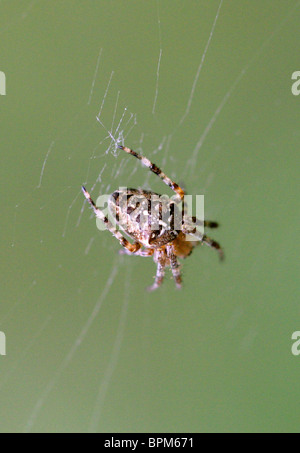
(206, 223)
(207, 241)
(157, 171)
(214, 244)
(144, 253)
(160, 272)
(174, 266)
(109, 226)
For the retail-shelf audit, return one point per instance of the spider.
(164, 243)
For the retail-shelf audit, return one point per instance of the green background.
(88, 349)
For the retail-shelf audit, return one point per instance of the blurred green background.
(87, 348)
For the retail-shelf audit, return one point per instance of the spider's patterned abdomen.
(146, 216)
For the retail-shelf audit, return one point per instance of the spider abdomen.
(146, 216)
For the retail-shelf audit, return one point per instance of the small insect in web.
(151, 223)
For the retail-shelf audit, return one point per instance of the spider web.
(89, 143)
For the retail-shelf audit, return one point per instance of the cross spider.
(164, 244)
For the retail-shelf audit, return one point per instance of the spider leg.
(144, 253)
(160, 272)
(207, 241)
(174, 267)
(214, 244)
(195, 221)
(109, 226)
(157, 171)
(206, 223)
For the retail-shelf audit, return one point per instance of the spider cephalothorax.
(157, 223)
